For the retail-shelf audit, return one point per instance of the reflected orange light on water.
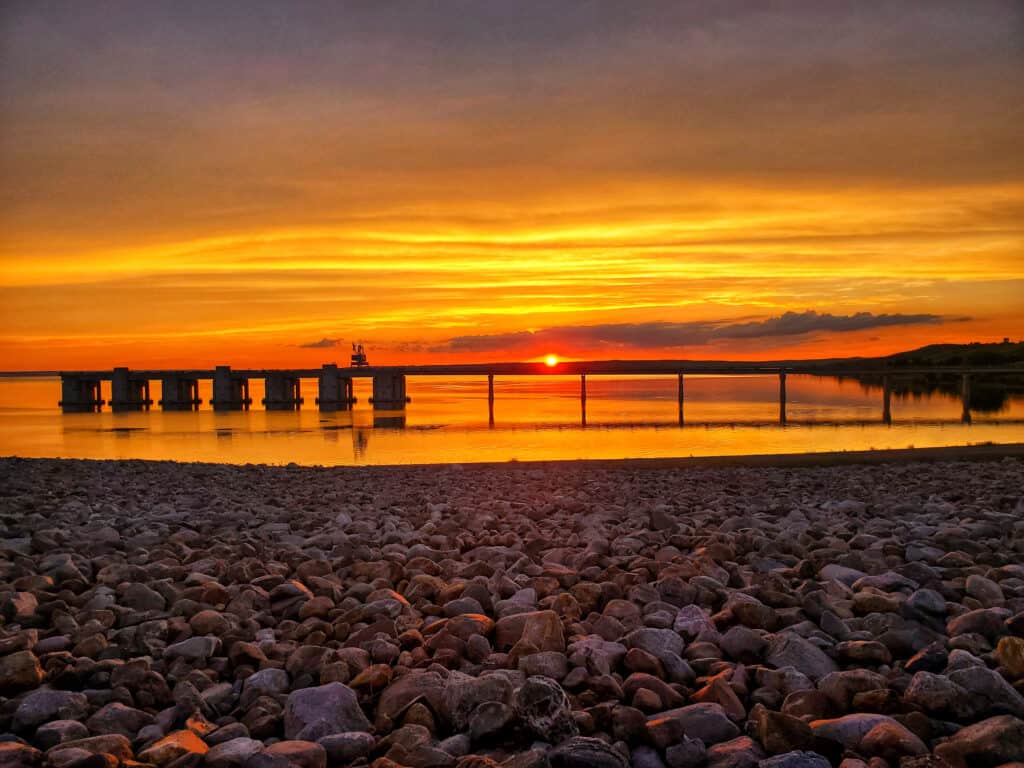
(536, 418)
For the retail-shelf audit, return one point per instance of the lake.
(535, 418)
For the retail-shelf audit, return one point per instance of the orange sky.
(192, 185)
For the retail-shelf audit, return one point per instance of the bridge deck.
(590, 368)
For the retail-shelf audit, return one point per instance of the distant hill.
(974, 354)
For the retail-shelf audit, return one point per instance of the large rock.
(541, 704)
(19, 671)
(741, 752)
(233, 753)
(109, 744)
(343, 748)
(58, 731)
(938, 695)
(657, 642)
(143, 598)
(585, 752)
(706, 721)
(891, 741)
(306, 754)
(849, 730)
(172, 747)
(541, 629)
(43, 705)
(312, 713)
(787, 649)
(463, 693)
(796, 759)
(195, 649)
(404, 692)
(16, 755)
(990, 694)
(1010, 655)
(117, 718)
(693, 622)
(989, 743)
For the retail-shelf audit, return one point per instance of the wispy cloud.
(660, 335)
(324, 343)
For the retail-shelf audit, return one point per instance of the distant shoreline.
(983, 452)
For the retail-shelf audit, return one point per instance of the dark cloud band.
(654, 335)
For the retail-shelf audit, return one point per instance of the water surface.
(534, 418)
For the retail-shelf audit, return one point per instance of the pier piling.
(179, 393)
(230, 391)
(283, 392)
(335, 390)
(583, 399)
(129, 392)
(490, 399)
(886, 400)
(680, 398)
(965, 393)
(80, 394)
(389, 392)
(782, 397)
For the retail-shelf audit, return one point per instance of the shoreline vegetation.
(661, 614)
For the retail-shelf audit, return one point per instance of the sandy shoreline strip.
(979, 452)
(861, 610)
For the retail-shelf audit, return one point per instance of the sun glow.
(551, 361)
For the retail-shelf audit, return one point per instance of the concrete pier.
(334, 390)
(583, 399)
(283, 392)
(389, 392)
(230, 391)
(965, 393)
(80, 394)
(179, 393)
(680, 399)
(128, 391)
(782, 397)
(490, 399)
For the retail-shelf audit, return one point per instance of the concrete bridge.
(81, 391)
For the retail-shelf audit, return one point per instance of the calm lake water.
(534, 418)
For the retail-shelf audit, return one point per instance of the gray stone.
(233, 753)
(585, 752)
(796, 759)
(312, 713)
(45, 704)
(787, 649)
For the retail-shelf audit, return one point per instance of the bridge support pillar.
(965, 393)
(80, 394)
(782, 397)
(282, 392)
(179, 393)
(230, 392)
(389, 392)
(680, 399)
(886, 400)
(127, 392)
(583, 399)
(334, 390)
(490, 399)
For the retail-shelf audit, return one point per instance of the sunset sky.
(192, 183)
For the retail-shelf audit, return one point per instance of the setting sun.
(551, 361)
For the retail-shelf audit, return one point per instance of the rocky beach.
(177, 615)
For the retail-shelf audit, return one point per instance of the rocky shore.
(523, 616)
